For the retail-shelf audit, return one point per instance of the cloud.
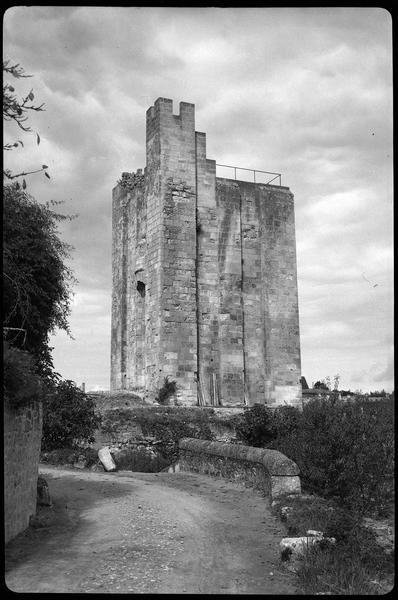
(306, 92)
(387, 374)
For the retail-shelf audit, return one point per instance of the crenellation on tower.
(204, 276)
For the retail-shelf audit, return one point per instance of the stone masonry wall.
(204, 276)
(232, 390)
(178, 338)
(269, 471)
(207, 273)
(22, 441)
(279, 274)
(119, 287)
(254, 294)
(136, 282)
(154, 240)
(259, 320)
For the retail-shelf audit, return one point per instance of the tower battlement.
(204, 276)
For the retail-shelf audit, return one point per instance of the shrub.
(286, 420)
(255, 426)
(36, 280)
(90, 455)
(21, 382)
(168, 390)
(345, 451)
(260, 426)
(69, 417)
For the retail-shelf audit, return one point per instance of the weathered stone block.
(267, 470)
(293, 547)
(106, 459)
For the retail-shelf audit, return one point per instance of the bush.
(255, 427)
(36, 281)
(286, 420)
(168, 390)
(21, 382)
(345, 451)
(69, 417)
(260, 426)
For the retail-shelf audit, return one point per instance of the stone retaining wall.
(22, 441)
(268, 471)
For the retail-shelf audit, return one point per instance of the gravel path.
(149, 533)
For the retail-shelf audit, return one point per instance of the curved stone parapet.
(269, 471)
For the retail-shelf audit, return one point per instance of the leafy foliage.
(286, 420)
(21, 382)
(16, 110)
(376, 393)
(320, 385)
(168, 390)
(69, 417)
(255, 427)
(345, 450)
(36, 281)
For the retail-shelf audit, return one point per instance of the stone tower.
(204, 276)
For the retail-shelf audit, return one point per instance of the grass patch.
(356, 564)
(339, 571)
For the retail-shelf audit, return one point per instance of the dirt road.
(149, 533)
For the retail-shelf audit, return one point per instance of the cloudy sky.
(304, 92)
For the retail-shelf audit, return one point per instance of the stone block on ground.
(293, 547)
(106, 459)
(174, 468)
